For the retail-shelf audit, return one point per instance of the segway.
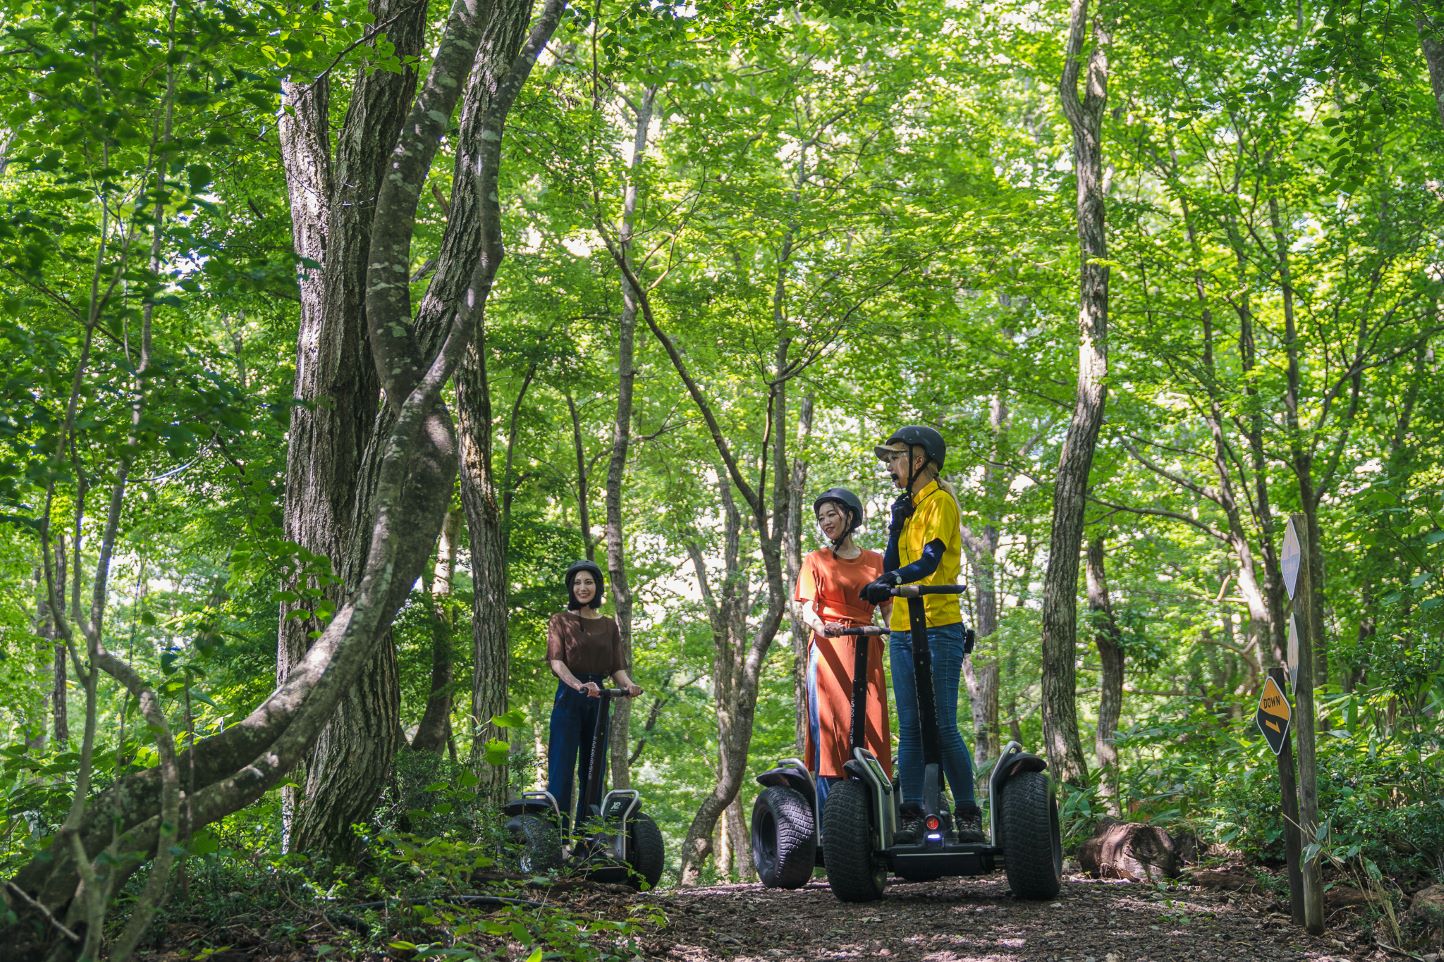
(614, 840)
(785, 840)
(863, 810)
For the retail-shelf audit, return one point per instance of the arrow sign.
(1290, 558)
(1293, 652)
(1273, 715)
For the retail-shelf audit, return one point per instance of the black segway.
(863, 810)
(785, 841)
(614, 840)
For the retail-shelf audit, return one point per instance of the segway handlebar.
(913, 591)
(616, 693)
(864, 630)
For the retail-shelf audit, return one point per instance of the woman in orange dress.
(829, 589)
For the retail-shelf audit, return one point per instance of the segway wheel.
(1032, 847)
(539, 845)
(854, 871)
(646, 855)
(784, 840)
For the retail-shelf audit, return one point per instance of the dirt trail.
(971, 920)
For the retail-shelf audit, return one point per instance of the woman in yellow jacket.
(925, 547)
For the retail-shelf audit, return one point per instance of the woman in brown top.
(583, 649)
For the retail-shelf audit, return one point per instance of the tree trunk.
(434, 729)
(1272, 590)
(584, 517)
(1301, 454)
(792, 553)
(329, 482)
(471, 252)
(621, 438)
(417, 462)
(1110, 650)
(1431, 39)
(738, 841)
(981, 669)
(736, 667)
(1060, 583)
(490, 646)
(1398, 474)
(47, 627)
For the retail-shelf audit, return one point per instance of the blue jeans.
(569, 744)
(946, 645)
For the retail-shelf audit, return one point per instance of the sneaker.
(910, 826)
(968, 823)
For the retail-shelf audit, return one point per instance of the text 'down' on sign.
(1273, 715)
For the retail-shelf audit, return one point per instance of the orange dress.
(834, 586)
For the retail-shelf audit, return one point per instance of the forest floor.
(950, 920)
(970, 920)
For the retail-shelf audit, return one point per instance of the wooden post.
(1288, 789)
(1304, 723)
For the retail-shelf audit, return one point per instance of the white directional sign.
(1293, 653)
(1290, 560)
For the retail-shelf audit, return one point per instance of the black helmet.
(845, 498)
(572, 571)
(917, 436)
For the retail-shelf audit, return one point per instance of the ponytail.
(944, 485)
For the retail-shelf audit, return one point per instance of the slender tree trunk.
(1398, 473)
(622, 433)
(434, 729)
(1301, 454)
(472, 251)
(792, 553)
(739, 842)
(1060, 583)
(329, 482)
(1260, 613)
(1430, 23)
(584, 517)
(47, 627)
(1272, 588)
(490, 647)
(981, 669)
(1110, 650)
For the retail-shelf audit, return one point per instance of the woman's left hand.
(633, 690)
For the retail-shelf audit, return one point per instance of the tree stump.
(1424, 922)
(1128, 850)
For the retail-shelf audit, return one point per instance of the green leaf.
(497, 752)
(512, 719)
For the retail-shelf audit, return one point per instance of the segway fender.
(791, 773)
(538, 803)
(1021, 762)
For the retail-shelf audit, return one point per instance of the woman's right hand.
(833, 629)
(591, 689)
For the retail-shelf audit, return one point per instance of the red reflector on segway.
(932, 823)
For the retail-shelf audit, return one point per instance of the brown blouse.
(588, 646)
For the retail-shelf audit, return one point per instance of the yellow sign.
(1273, 714)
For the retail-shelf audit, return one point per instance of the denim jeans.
(946, 645)
(569, 744)
(814, 728)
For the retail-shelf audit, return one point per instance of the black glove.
(902, 509)
(876, 592)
